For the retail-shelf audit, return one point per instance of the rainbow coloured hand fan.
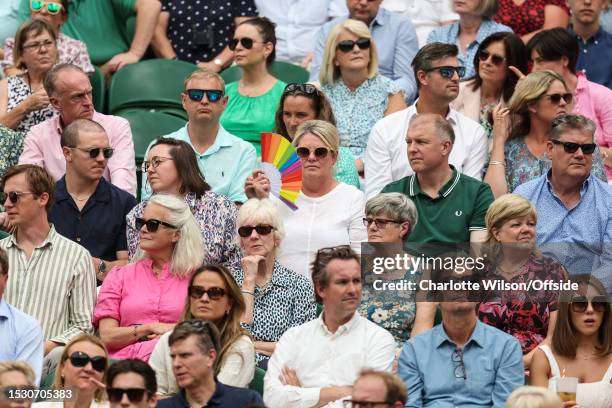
(283, 167)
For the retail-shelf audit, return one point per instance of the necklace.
(78, 198)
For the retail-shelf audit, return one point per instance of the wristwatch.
(101, 270)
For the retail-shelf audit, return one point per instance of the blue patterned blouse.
(357, 112)
(11, 146)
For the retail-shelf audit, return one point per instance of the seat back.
(258, 381)
(98, 90)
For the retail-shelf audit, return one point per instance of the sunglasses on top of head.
(135, 395)
(448, 71)
(349, 45)
(152, 224)
(483, 55)
(307, 89)
(196, 95)
(80, 359)
(52, 8)
(580, 304)
(246, 42)
(571, 147)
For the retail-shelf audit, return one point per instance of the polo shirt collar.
(47, 242)
(382, 18)
(478, 336)
(583, 188)
(216, 399)
(346, 327)
(446, 189)
(223, 139)
(101, 194)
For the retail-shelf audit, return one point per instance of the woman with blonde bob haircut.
(529, 396)
(141, 301)
(349, 76)
(512, 256)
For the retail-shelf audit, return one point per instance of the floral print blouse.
(11, 146)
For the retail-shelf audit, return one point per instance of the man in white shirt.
(437, 72)
(315, 364)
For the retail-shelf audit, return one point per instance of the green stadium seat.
(98, 90)
(284, 71)
(3, 234)
(258, 381)
(319, 309)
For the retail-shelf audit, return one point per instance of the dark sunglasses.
(196, 95)
(107, 152)
(152, 224)
(580, 304)
(246, 42)
(14, 196)
(483, 55)
(319, 152)
(556, 98)
(571, 147)
(448, 71)
(17, 394)
(135, 395)
(80, 359)
(348, 45)
(52, 8)
(307, 89)
(214, 293)
(245, 232)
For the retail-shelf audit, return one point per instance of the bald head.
(70, 136)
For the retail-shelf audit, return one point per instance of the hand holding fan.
(282, 166)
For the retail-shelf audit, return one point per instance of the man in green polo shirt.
(451, 206)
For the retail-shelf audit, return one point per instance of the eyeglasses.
(364, 404)
(556, 98)
(483, 55)
(349, 45)
(52, 8)
(13, 196)
(107, 152)
(135, 395)
(38, 45)
(214, 293)
(581, 303)
(152, 224)
(307, 89)
(319, 152)
(457, 358)
(17, 394)
(448, 71)
(246, 42)
(571, 147)
(246, 231)
(154, 162)
(196, 95)
(80, 359)
(379, 222)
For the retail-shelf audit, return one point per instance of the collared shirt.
(325, 359)
(492, 361)
(225, 165)
(580, 238)
(42, 147)
(595, 57)
(396, 43)
(100, 225)
(225, 396)
(449, 34)
(56, 285)
(387, 151)
(286, 301)
(298, 23)
(459, 209)
(22, 338)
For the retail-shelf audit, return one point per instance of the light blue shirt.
(493, 363)
(225, 165)
(449, 34)
(580, 238)
(21, 338)
(396, 42)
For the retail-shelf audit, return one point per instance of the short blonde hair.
(329, 72)
(19, 366)
(321, 129)
(503, 209)
(261, 210)
(204, 74)
(529, 396)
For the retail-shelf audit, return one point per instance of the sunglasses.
(246, 42)
(556, 98)
(107, 152)
(214, 293)
(135, 395)
(196, 95)
(571, 147)
(349, 45)
(483, 55)
(14, 196)
(154, 162)
(52, 8)
(379, 222)
(245, 232)
(307, 89)
(319, 152)
(448, 71)
(80, 359)
(152, 224)
(581, 303)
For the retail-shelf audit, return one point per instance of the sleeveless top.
(591, 395)
(18, 90)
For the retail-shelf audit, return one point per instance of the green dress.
(246, 117)
(345, 169)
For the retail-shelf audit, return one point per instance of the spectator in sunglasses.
(493, 82)
(141, 301)
(557, 51)
(349, 76)
(571, 198)
(276, 297)
(581, 346)
(69, 50)
(23, 100)
(321, 198)
(215, 296)
(302, 102)
(81, 372)
(254, 98)
(131, 384)
(521, 132)
(15, 376)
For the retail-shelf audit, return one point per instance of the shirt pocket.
(480, 378)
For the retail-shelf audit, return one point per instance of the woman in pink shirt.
(141, 301)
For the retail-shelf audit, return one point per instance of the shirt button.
(585, 51)
(78, 239)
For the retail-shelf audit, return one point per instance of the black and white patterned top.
(18, 90)
(213, 17)
(286, 301)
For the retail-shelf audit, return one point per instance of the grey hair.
(396, 205)
(261, 210)
(571, 121)
(188, 253)
(441, 127)
(50, 82)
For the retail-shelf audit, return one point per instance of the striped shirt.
(56, 285)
